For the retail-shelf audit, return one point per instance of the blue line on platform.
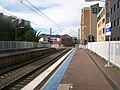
(55, 80)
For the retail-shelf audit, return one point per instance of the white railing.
(101, 48)
(14, 45)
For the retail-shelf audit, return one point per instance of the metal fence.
(102, 49)
(14, 45)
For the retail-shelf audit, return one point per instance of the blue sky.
(66, 13)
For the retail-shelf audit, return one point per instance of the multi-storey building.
(85, 25)
(101, 24)
(14, 21)
(89, 23)
(114, 17)
(66, 40)
(94, 9)
(57, 40)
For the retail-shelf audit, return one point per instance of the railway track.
(18, 65)
(19, 77)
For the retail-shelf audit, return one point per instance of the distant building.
(57, 40)
(54, 40)
(44, 38)
(89, 23)
(24, 22)
(14, 21)
(75, 40)
(85, 25)
(66, 40)
(114, 17)
(101, 25)
(94, 9)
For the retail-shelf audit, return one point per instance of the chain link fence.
(15, 45)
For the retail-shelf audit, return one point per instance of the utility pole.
(108, 32)
(78, 36)
(50, 36)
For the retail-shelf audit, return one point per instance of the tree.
(32, 35)
(37, 36)
(6, 30)
(91, 38)
(18, 32)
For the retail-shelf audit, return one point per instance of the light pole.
(79, 36)
(108, 25)
(50, 36)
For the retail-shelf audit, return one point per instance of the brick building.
(85, 25)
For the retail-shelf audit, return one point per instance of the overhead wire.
(20, 18)
(40, 26)
(43, 15)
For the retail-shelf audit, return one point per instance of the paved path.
(84, 75)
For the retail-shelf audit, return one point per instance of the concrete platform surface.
(83, 74)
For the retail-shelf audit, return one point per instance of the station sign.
(108, 29)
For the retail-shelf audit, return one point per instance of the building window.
(111, 24)
(98, 25)
(111, 10)
(118, 21)
(118, 4)
(118, 38)
(111, 39)
(103, 20)
(98, 18)
(114, 23)
(103, 30)
(114, 39)
(114, 7)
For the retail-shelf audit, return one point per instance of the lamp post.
(79, 36)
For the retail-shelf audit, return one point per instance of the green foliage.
(8, 33)
(91, 38)
(6, 30)
(32, 35)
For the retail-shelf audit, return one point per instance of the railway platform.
(86, 71)
(15, 52)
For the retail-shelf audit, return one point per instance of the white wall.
(102, 48)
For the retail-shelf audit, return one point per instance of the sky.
(65, 13)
